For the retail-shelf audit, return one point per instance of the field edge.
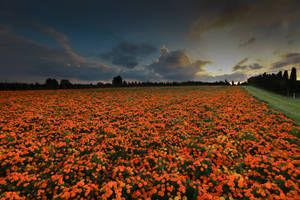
(288, 106)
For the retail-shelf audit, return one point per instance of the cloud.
(164, 50)
(25, 59)
(176, 65)
(255, 66)
(228, 13)
(127, 54)
(59, 37)
(242, 61)
(291, 55)
(63, 41)
(248, 42)
(240, 66)
(251, 15)
(286, 60)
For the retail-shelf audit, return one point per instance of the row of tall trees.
(280, 83)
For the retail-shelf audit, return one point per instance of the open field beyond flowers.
(148, 143)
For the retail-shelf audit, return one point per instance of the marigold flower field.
(146, 143)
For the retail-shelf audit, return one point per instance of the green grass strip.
(287, 105)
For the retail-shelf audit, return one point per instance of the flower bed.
(148, 143)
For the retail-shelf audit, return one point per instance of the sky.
(171, 40)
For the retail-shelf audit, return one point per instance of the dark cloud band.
(127, 54)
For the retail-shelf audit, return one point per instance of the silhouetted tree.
(279, 75)
(285, 84)
(293, 81)
(51, 84)
(286, 75)
(117, 81)
(100, 84)
(280, 83)
(65, 84)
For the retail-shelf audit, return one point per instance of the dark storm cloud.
(176, 65)
(223, 13)
(287, 59)
(21, 57)
(240, 66)
(127, 54)
(250, 14)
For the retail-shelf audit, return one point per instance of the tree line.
(117, 81)
(280, 83)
